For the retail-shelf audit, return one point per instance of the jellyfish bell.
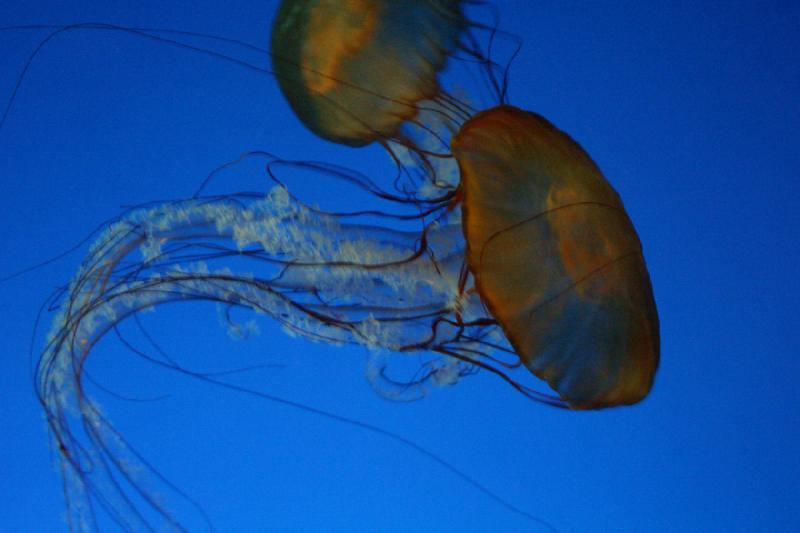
(355, 71)
(556, 259)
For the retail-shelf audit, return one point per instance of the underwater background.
(691, 111)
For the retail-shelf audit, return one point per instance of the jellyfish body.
(354, 71)
(556, 259)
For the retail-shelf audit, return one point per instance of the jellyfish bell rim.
(649, 310)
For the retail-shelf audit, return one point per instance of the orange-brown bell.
(556, 259)
(355, 70)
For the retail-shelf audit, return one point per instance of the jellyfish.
(355, 71)
(534, 264)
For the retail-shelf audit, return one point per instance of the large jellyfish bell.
(556, 259)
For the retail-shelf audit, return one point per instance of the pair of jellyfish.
(502, 246)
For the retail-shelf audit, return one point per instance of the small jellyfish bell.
(357, 71)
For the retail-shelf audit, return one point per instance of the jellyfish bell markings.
(556, 259)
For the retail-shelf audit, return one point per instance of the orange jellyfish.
(532, 261)
(556, 259)
(355, 71)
